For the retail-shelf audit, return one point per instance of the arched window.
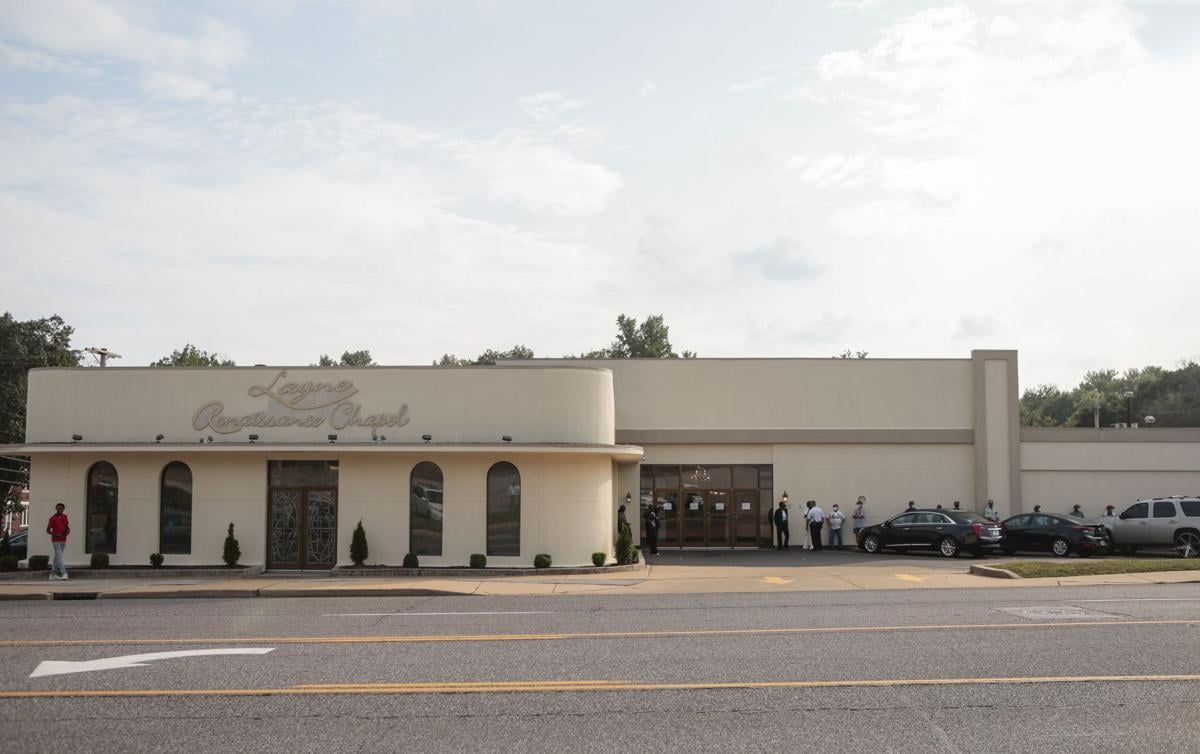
(425, 510)
(101, 519)
(503, 510)
(175, 510)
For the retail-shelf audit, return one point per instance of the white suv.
(1158, 522)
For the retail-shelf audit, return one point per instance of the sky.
(278, 179)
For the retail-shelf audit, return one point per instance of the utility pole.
(103, 354)
(1096, 409)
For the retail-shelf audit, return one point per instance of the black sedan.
(948, 532)
(1050, 532)
(19, 544)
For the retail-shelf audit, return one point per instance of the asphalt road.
(1063, 669)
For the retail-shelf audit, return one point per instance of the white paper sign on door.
(745, 506)
(693, 506)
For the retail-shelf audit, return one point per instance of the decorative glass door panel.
(320, 536)
(284, 528)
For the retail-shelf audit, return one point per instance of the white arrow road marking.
(57, 667)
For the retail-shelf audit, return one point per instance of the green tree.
(25, 345)
(649, 340)
(358, 545)
(232, 551)
(191, 356)
(1171, 396)
(488, 357)
(848, 354)
(349, 359)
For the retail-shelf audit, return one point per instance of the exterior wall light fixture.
(506, 438)
(76, 438)
(427, 438)
(332, 438)
(253, 438)
(158, 438)
(784, 498)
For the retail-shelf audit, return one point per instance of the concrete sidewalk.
(670, 573)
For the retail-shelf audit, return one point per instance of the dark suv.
(948, 532)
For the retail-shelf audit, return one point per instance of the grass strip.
(1038, 569)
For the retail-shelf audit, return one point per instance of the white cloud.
(548, 106)
(648, 89)
(21, 59)
(182, 87)
(539, 176)
(779, 260)
(91, 29)
(762, 82)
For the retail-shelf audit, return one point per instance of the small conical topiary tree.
(358, 545)
(232, 552)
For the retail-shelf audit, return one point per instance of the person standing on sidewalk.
(58, 528)
(816, 519)
(990, 512)
(782, 534)
(808, 541)
(652, 530)
(860, 516)
(836, 520)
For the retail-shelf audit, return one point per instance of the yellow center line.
(551, 686)
(418, 639)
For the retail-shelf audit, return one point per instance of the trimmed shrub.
(232, 552)
(99, 560)
(39, 562)
(542, 560)
(8, 562)
(156, 560)
(411, 560)
(599, 558)
(479, 560)
(624, 546)
(358, 545)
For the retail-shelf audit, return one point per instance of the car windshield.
(966, 517)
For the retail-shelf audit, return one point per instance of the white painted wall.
(473, 404)
(1057, 475)
(566, 504)
(790, 393)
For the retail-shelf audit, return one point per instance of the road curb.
(993, 572)
(367, 592)
(25, 596)
(477, 573)
(179, 594)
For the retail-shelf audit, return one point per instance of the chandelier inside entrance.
(700, 475)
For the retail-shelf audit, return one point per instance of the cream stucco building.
(536, 456)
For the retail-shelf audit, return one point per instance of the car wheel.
(1060, 547)
(948, 547)
(1187, 544)
(1127, 549)
(1010, 551)
(871, 543)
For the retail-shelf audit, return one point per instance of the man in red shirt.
(58, 528)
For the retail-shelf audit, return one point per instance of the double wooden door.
(302, 528)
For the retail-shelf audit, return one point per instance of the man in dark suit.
(781, 526)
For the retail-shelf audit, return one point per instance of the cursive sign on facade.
(308, 404)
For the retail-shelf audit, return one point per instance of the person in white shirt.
(990, 512)
(836, 520)
(860, 517)
(808, 542)
(816, 519)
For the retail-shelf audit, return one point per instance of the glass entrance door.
(745, 518)
(694, 533)
(719, 518)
